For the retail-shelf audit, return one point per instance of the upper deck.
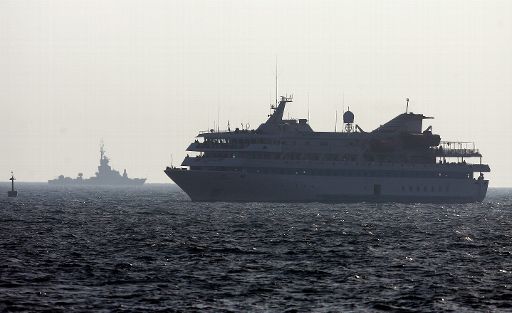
(402, 140)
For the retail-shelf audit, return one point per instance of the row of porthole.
(358, 173)
(426, 189)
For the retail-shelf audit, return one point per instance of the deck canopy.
(405, 122)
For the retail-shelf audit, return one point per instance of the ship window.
(410, 188)
(440, 188)
(432, 189)
(425, 188)
(417, 188)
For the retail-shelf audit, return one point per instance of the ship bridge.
(276, 124)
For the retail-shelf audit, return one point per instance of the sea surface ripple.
(151, 249)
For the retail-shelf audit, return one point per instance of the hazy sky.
(146, 76)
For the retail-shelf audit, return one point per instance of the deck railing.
(456, 149)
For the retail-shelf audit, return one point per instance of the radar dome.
(348, 117)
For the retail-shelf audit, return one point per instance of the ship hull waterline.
(225, 186)
(86, 182)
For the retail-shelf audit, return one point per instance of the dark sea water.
(150, 249)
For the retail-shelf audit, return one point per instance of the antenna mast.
(102, 150)
(270, 101)
(308, 107)
(336, 121)
(343, 105)
(276, 83)
(407, 105)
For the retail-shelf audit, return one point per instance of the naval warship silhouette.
(105, 176)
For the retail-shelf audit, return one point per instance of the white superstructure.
(285, 160)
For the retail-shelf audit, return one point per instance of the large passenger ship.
(284, 160)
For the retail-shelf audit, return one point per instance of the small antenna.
(308, 106)
(407, 105)
(102, 150)
(276, 83)
(336, 121)
(343, 104)
(270, 101)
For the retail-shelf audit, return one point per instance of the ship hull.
(93, 182)
(210, 186)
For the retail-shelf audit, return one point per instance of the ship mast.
(277, 100)
(102, 150)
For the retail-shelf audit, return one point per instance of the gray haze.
(146, 76)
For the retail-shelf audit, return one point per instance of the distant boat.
(12, 192)
(106, 176)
